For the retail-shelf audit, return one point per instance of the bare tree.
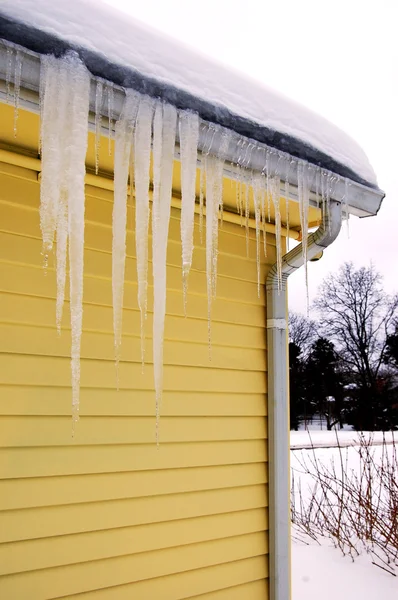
(302, 331)
(357, 315)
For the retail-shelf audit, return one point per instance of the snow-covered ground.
(322, 573)
(319, 570)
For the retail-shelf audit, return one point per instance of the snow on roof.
(119, 48)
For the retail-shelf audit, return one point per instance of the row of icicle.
(146, 127)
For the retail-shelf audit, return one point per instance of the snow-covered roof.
(131, 54)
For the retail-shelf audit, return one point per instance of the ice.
(53, 103)
(262, 186)
(110, 101)
(98, 121)
(62, 248)
(214, 182)
(165, 122)
(278, 225)
(64, 127)
(123, 142)
(9, 73)
(304, 197)
(345, 204)
(64, 108)
(77, 126)
(17, 88)
(287, 194)
(257, 192)
(142, 159)
(202, 176)
(247, 214)
(189, 136)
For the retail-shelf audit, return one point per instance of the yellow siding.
(107, 515)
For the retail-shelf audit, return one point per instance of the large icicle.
(98, 121)
(304, 199)
(54, 129)
(278, 225)
(189, 137)
(142, 159)
(64, 109)
(79, 94)
(123, 140)
(165, 123)
(214, 181)
(62, 247)
(17, 88)
(257, 199)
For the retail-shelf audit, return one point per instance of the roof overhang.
(249, 142)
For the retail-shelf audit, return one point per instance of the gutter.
(248, 151)
(278, 402)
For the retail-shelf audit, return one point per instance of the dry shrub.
(356, 508)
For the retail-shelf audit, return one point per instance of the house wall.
(107, 514)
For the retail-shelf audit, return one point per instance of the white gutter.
(363, 200)
(278, 403)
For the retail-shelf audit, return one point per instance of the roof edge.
(42, 42)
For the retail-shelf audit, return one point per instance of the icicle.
(10, 55)
(189, 137)
(214, 180)
(327, 197)
(303, 195)
(276, 201)
(247, 215)
(123, 140)
(142, 160)
(98, 121)
(64, 128)
(317, 183)
(62, 248)
(256, 185)
(79, 93)
(201, 196)
(110, 100)
(268, 186)
(164, 134)
(287, 194)
(53, 132)
(17, 88)
(262, 210)
(346, 206)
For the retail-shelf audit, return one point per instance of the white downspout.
(278, 403)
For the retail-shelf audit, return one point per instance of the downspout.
(278, 402)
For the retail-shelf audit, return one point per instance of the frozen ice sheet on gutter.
(131, 54)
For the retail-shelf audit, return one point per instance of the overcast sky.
(338, 58)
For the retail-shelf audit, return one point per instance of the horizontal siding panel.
(27, 251)
(59, 581)
(34, 523)
(20, 279)
(231, 262)
(48, 491)
(45, 341)
(108, 514)
(254, 590)
(73, 460)
(242, 573)
(52, 371)
(56, 431)
(30, 310)
(46, 400)
(25, 194)
(69, 549)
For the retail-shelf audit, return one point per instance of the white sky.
(338, 58)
